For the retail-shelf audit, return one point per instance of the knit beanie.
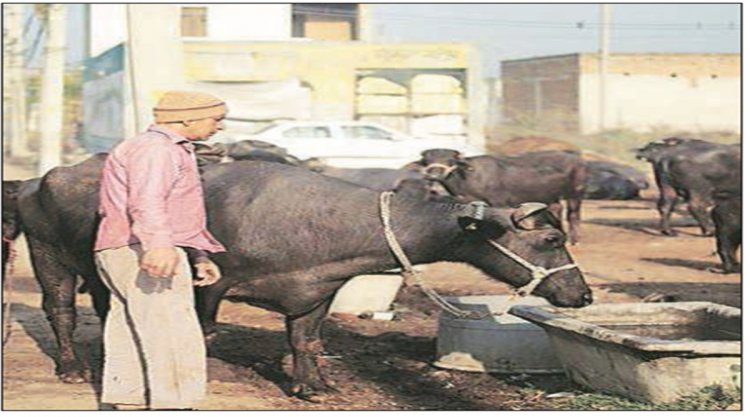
(179, 106)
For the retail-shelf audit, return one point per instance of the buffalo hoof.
(726, 269)
(669, 232)
(317, 392)
(209, 338)
(76, 376)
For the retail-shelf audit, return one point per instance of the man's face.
(204, 128)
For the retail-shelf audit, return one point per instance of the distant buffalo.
(689, 168)
(546, 176)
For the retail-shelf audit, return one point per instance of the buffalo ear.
(10, 189)
(494, 224)
(529, 216)
(415, 166)
(464, 165)
(526, 211)
(672, 141)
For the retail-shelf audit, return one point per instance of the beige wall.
(696, 92)
(329, 68)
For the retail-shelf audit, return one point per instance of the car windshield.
(307, 132)
(365, 132)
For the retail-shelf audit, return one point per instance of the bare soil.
(380, 365)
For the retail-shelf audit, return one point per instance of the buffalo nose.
(587, 298)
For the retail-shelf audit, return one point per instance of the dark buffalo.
(606, 180)
(688, 168)
(258, 150)
(545, 176)
(380, 179)
(426, 190)
(11, 217)
(294, 238)
(727, 216)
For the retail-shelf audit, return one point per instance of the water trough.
(652, 352)
(500, 344)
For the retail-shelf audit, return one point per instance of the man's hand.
(161, 262)
(206, 273)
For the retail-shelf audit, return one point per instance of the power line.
(578, 25)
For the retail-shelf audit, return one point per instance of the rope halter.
(538, 273)
(446, 170)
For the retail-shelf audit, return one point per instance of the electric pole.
(15, 82)
(53, 80)
(603, 63)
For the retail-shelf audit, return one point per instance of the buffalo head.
(11, 228)
(653, 150)
(531, 233)
(438, 164)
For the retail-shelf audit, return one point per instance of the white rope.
(447, 169)
(538, 273)
(408, 268)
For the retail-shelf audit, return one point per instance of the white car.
(349, 144)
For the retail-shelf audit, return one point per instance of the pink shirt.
(151, 194)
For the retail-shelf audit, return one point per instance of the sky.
(513, 31)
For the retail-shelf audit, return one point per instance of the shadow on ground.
(87, 337)
(397, 364)
(685, 263)
(720, 293)
(647, 226)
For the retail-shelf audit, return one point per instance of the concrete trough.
(649, 352)
(367, 294)
(500, 344)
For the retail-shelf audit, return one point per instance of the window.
(365, 132)
(325, 21)
(307, 132)
(194, 21)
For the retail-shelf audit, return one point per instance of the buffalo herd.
(296, 230)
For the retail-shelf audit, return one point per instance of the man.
(152, 212)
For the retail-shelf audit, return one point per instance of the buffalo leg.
(728, 238)
(99, 296)
(556, 209)
(574, 219)
(207, 305)
(727, 248)
(58, 300)
(698, 207)
(304, 337)
(667, 202)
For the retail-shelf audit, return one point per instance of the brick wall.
(542, 90)
(562, 91)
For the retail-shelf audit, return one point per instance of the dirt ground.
(379, 365)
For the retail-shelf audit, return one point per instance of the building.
(421, 88)
(287, 61)
(683, 92)
(107, 25)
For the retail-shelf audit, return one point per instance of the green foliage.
(707, 399)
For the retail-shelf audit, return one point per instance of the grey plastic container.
(700, 346)
(501, 344)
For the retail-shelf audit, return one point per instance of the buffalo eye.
(554, 240)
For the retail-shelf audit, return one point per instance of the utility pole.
(603, 64)
(153, 36)
(53, 80)
(15, 82)
(364, 22)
